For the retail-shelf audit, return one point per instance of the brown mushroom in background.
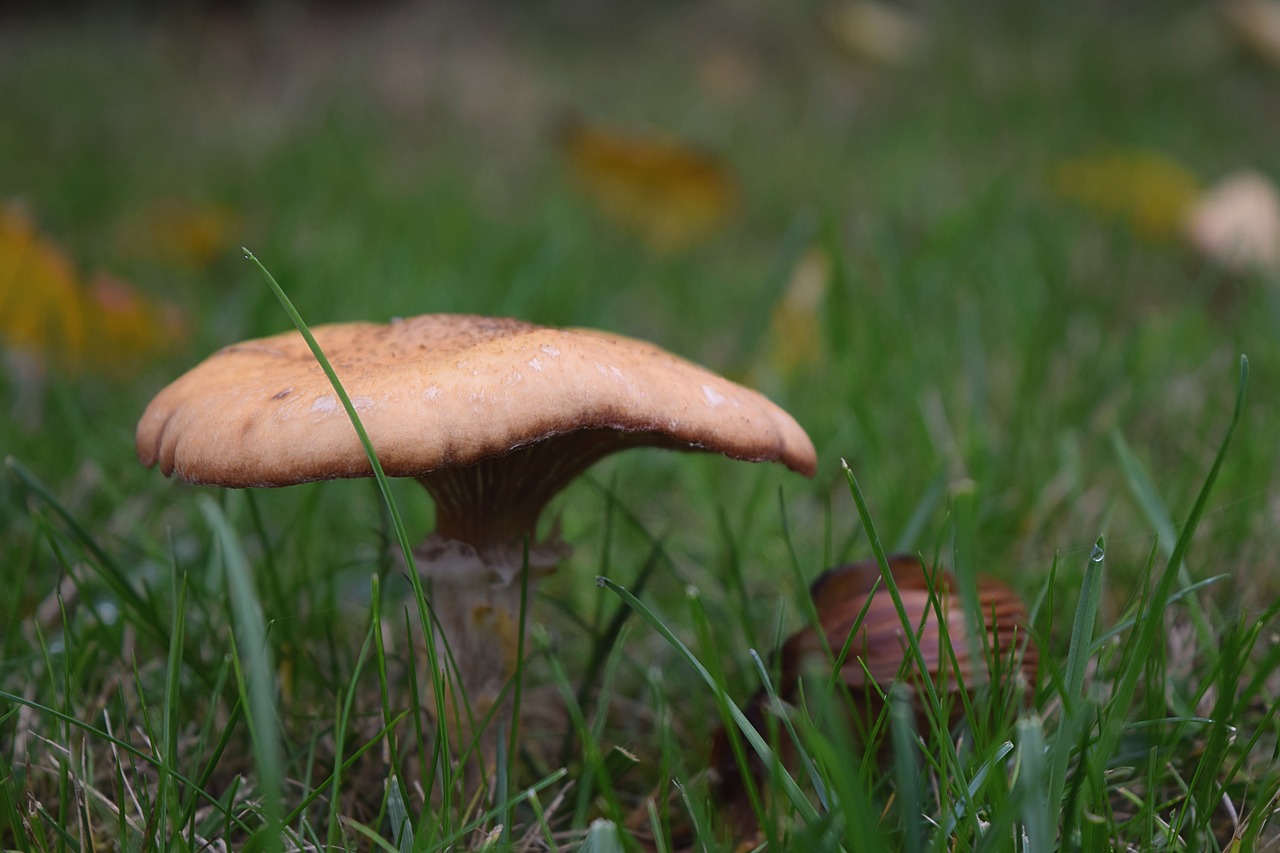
(1256, 25)
(492, 416)
(878, 648)
(876, 33)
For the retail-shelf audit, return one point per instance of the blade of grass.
(384, 690)
(906, 769)
(153, 762)
(602, 837)
(594, 776)
(540, 814)
(810, 769)
(143, 611)
(925, 508)
(1149, 630)
(1081, 647)
(1076, 711)
(1148, 498)
(426, 614)
(401, 822)
(792, 790)
(935, 713)
(172, 693)
(697, 816)
(712, 655)
(319, 790)
(1039, 813)
(978, 779)
(255, 675)
(449, 841)
(964, 510)
(655, 827)
(340, 728)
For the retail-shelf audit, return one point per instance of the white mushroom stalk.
(493, 416)
(476, 595)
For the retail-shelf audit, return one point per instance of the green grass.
(1013, 384)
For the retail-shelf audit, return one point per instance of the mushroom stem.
(475, 595)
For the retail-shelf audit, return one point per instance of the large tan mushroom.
(492, 416)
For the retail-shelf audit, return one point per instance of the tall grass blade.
(976, 782)
(792, 790)
(594, 778)
(1150, 628)
(1148, 498)
(172, 693)
(602, 837)
(935, 713)
(256, 674)
(401, 823)
(72, 722)
(1082, 628)
(906, 769)
(806, 761)
(319, 790)
(712, 655)
(341, 726)
(144, 613)
(449, 841)
(426, 615)
(1076, 710)
(1039, 813)
(925, 508)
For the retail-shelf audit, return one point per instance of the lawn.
(996, 376)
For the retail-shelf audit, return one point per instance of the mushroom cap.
(439, 391)
(879, 646)
(1236, 223)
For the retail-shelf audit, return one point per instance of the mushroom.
(492, 416)
(1236, 223)
(879, 646)
(877, 649)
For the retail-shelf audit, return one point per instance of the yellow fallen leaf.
(50, 319)
(1236, 223)
(795, 330)
(181, 233)
(668, 193)
(1149, 192)
(41, 306)
(126, 329)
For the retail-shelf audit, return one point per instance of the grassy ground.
(1007, 376)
